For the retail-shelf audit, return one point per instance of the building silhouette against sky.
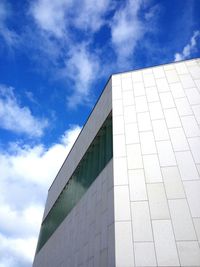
(128, 193)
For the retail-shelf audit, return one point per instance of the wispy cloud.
(66, 31)
(50, 15)
(90, 16)
(31, 97)
(129, 25)
(17, 118)
(81, 67)
(189, 48)
(26, 173)
(126, 29)
(58, 16)
(80, 64)
(9, 36)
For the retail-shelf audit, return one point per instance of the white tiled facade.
(144, 207)
(158, 148)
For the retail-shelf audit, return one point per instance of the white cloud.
(127, 29)
(37, 164)
(91, 14)
(189, 48)
(50, 15)
(27, 220)
(82, 68)
(57, 16)
(8, 35)
(17, 118)
(26, 174)
(16, 251)
(80, 64)
(152, 12)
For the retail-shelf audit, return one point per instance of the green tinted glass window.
(95, 159)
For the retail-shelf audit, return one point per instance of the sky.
(55, 59)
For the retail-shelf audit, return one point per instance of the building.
(128, 194)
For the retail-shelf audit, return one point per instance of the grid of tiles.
(86, 237)
(156, 158)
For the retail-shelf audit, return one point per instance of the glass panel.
(92, 163)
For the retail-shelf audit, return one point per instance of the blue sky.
(55, 58)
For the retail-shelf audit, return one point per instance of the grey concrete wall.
(156, 133)
(86, 236)
(95, 121)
